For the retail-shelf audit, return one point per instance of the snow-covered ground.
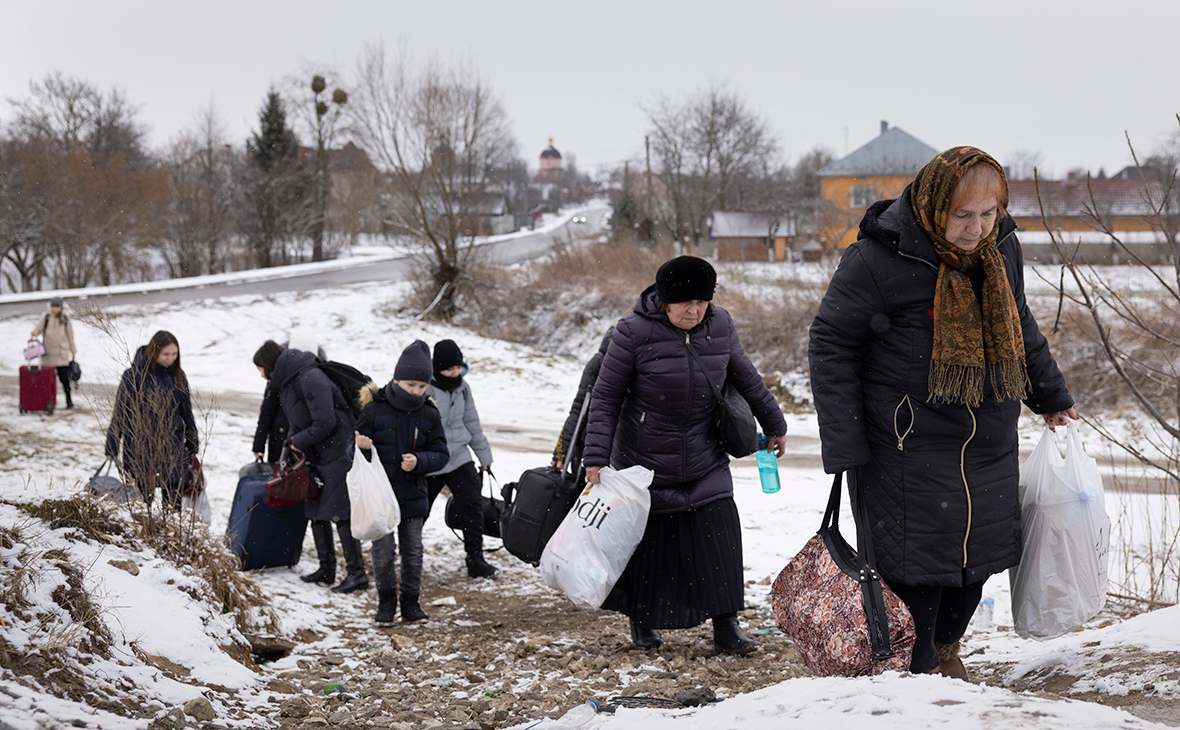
(523, 396)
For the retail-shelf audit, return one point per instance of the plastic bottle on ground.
(767, 467)
(578, 716)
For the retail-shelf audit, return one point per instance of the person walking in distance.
(60, 350)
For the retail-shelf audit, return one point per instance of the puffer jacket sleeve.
(433, 454)
(585, 385)
(614, 379)
(266, 417)
(479, 442)
(119, 415)
(742, 373)
(192, 437)
(317, 396)
(839, 335)
(1049, 393)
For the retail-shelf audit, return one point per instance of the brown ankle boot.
(949, 663)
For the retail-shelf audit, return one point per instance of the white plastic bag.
(1061, 580)
(199, 504)
(375, 512)
(596, 539)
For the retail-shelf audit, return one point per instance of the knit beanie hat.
(686, 278)
(446, 355)
(57, 302)
(267, 356)
(414, 364)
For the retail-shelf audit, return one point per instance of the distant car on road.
(579, 219)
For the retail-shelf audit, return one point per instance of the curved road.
(511, 251)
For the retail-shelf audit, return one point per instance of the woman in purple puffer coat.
(653, 406)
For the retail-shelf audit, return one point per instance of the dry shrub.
(567, 299)
(85, 515)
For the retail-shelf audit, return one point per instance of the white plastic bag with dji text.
(593, 544)
(1061, 580)
(374, 509)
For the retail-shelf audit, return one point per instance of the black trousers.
(941, 615)
(63, 374)
(465, 485)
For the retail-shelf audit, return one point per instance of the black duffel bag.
(492, 509)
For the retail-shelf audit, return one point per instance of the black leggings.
(63, 374)
(941, 615)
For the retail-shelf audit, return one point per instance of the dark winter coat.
(272, 425)
(870, 350)
(565, 443)
(320, 426)
(153, 418)
(653, 406)
(396, 432)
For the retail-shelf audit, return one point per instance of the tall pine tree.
(275, 187)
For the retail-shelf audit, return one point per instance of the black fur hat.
(684, 279)
(414, 364)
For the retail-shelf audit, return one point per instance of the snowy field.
(523, 396)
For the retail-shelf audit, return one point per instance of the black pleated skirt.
(687, 569)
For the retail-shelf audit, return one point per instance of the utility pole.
(647, 186)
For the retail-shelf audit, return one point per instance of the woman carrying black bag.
(653, 406)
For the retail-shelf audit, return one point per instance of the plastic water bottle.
(984, 614)
(578, 716)
(767, 467)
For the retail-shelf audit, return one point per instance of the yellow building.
(880, 169)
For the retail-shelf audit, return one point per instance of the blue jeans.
(383, 552)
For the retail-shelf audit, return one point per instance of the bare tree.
(198, 220)
(1022, 164)
(705, 145)
(440, 135)
(84, 163)
(320, 114)
(23, 220)
(1137, 337)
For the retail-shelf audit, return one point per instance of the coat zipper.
(901, 436)
(966, 487)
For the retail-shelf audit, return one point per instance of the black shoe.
(645, 638)
(386, 606)
(325, 575)
(411, 611)
(728, 637)
(352, 582)
(477, 567)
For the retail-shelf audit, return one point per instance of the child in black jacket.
(407, 433)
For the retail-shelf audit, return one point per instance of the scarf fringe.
(964, 383)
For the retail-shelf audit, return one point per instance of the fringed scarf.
(971, 344)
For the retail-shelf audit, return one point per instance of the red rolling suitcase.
(38, 388)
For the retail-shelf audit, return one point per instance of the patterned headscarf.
(971, 343)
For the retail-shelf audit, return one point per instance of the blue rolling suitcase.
(262, 536)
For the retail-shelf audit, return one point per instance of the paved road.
(507, 252)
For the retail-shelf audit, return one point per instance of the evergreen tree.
(274, 141)
(276, 189)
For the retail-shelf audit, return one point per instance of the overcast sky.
(1065, 78)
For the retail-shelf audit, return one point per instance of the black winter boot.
(354, 561)
(386, 606)
(321, 532)
(728, 636)
(645, 638)
(411, 611)
(477, 567)
(69, 400)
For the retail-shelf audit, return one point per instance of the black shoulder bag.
(733, 421)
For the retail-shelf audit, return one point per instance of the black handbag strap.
(691, 349)
(573, 457)
(876, 616)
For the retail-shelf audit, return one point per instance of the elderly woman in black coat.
(653, 406)
(322, 427)
(921, 353)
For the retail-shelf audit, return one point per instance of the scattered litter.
(766, 632)
(440, 681)
(448, 601)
